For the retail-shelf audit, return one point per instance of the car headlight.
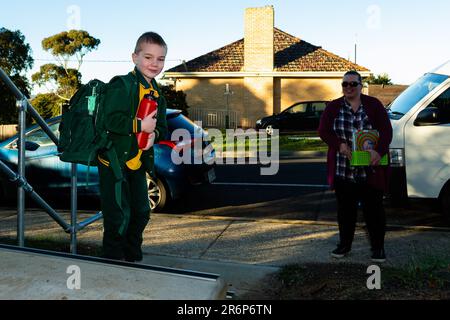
(397, 157)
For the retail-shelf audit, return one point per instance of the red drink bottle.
(147, 106)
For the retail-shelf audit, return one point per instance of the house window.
(211, 120)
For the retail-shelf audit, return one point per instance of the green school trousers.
(123, 226)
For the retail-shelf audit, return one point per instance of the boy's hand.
(148, 124)
(150, 142)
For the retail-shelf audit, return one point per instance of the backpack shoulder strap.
(128, 80)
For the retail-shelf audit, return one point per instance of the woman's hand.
(345, 150)
(374, 158)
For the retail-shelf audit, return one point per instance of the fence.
(7, 131)
(215, 118)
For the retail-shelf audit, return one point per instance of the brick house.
(262, 74)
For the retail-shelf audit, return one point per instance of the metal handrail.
(29, 108)
(24, 107)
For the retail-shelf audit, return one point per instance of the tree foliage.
(64, 83)
(175, 99)
(59, 78)
(379, 79)
(15, 54)
(15, 58)
(68, 44)
(48, 105)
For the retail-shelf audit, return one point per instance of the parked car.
(301, 116)
(420, 148)
(50, 176)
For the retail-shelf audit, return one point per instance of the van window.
(415, 92)
(443, 104)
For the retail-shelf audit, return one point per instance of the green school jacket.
(120, 118)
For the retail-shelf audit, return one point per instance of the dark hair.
(354, 73)
(149, 37)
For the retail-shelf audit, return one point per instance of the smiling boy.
(123, 183)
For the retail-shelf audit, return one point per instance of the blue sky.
(402, 38)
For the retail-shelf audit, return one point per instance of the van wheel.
(157, 194)
(445, 201)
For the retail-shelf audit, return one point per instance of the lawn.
(307, 141)
(425, 279)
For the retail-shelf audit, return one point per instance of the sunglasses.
(353, 84)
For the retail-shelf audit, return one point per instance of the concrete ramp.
(36, 274)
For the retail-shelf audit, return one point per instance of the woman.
(353, 185)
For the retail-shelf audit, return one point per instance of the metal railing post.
(73, 210)
(22, 105)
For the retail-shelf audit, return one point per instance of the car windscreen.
(41, 138)
(179, 121)
(38, 136)
(414, 93)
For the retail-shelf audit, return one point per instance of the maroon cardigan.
(379, 120)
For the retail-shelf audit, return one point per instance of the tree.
(15, 58)
(175, 99)
(63, 83)
(379, 79)
(63, 46)
(71, 43)
(48, 105)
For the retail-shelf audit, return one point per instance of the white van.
(420, 149)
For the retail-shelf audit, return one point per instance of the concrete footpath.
(243, 251)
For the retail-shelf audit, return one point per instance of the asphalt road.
(240, 190)
(298, 192)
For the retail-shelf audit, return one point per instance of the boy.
(123, 183)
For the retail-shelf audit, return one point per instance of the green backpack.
(82, 133)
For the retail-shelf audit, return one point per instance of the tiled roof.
(291, 55)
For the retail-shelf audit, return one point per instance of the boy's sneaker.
(340, 252)
(378, 255)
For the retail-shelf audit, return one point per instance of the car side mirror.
(428, 117)
(31, 146)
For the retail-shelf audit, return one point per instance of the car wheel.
(445, 200)
(157, 194)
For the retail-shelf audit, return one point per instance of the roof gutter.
(310, 74)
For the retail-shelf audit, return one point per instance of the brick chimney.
(258, 58)
(258, 39)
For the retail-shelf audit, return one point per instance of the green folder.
(364, 140)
